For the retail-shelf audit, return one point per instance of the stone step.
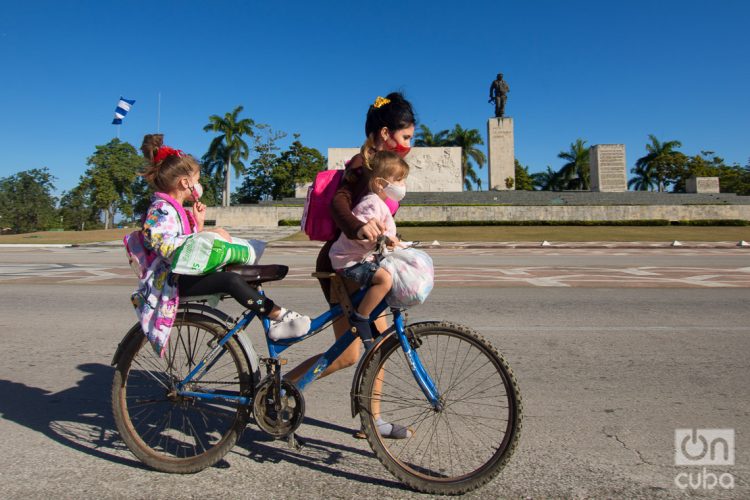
(261, 233)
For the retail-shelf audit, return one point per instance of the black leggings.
(225, 282)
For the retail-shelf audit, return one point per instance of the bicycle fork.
(409, 345)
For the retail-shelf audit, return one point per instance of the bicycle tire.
(167, 432)
(479, 392)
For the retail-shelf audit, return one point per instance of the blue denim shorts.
(361, 273)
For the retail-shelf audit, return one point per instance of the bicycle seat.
(255, 275)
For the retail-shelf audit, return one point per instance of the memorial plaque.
(502, 165)
(702, 185)
(608, 168)
(430, 169)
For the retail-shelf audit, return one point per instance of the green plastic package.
(205, 252)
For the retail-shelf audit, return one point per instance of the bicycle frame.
(275, 348)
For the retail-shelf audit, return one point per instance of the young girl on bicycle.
(353, 258)
(166, 226)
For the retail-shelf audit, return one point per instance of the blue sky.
(608, 72)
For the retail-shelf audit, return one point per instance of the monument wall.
(608, 168)
(501, 153)
(255, 215)
(430, 169)
(702, 185)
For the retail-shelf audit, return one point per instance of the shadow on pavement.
(80, 417)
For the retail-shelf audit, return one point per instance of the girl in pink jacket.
(352, 258)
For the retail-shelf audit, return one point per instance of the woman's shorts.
(361, 273)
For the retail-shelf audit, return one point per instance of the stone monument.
(500, 149)
(702, 185)
(501, 154)
(499, 95)
(431, 170)
(607, 164)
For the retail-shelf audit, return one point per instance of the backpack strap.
(188, 222)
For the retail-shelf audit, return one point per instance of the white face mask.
(197, 191)
(395, 192)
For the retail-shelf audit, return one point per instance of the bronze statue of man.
(499, 94)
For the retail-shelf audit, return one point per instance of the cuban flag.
(123, 106)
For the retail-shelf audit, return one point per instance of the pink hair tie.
(164, 152)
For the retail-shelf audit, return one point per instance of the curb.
(36, 245)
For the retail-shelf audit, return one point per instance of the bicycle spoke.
(459, 439)
(167, 429)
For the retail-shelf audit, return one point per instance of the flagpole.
(158, 113)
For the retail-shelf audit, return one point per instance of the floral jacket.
(165, 228)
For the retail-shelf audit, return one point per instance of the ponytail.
(368, 150)
(165, 165)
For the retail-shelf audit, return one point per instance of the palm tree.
(548, 180)
(660, 158)
(643, 180)
(467, 139)
(575, 174)
(425, 138)
(229, 147)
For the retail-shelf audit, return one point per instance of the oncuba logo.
(704, 447)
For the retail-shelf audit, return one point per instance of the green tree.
(212, 178)
(296, 165)
(661, 159)
(548, 180)
(235, 150)
(467, 140)
(142, 193)
(26, 201)
(111, 179)
(258, 184)
(736, 179)
(77, 210)
(524, 181)
(575, 174)
(642, 180)
(426, 139)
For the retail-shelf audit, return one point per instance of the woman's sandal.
(388, 431)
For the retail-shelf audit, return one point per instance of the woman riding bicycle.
(389, 126)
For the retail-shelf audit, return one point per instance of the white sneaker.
(289, 325)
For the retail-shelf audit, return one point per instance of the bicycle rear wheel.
(172, 433)
(461, 446)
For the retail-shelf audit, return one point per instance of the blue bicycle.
(447, 385)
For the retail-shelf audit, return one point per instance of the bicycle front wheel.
(460, 446)
(174, 433)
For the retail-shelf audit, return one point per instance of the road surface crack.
(637, 453)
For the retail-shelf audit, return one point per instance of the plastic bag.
(205, 252)
(413, 277)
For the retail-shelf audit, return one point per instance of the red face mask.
(400, 150)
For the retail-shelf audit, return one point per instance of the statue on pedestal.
(499, 94)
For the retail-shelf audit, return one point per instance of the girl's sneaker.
(289, 325)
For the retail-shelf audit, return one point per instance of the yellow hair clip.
(380, 101)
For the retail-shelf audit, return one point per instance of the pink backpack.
(140, 256)
(317, 222)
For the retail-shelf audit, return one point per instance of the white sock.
(393, 431)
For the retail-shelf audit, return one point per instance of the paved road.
(541, 267)
(608, 372)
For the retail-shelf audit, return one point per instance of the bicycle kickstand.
(295, 442)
